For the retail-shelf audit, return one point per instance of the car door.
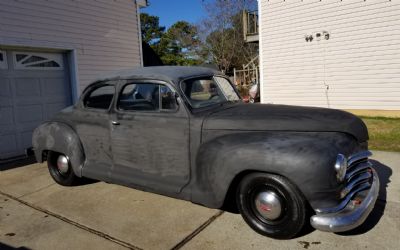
(150, 137)
(93, 127)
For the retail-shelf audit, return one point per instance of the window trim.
(4, 63)
(145, 81)
(56, 57)
(174, 94)
(90, 89)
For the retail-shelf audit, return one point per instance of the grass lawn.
(384, 133)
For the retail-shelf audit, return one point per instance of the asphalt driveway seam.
(83, 227)
(197, 231)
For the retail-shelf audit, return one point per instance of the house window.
(38, 61)
(3, 60)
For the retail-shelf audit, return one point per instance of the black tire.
(293, 205)
(65, 179)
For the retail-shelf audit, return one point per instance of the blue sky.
(171, 11)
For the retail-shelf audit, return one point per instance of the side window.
(146, 97)
(100, 98)
(141, 96)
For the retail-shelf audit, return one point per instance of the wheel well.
(49, 153)
(230, 197)
(45, 153)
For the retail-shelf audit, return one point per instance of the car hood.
(270, 117)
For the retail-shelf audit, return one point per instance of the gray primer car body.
(197, 154)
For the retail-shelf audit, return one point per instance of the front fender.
(59, 137)
(307, 159)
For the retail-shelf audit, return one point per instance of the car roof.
(172, 74)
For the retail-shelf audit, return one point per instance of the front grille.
(358, 172)
(358, 178)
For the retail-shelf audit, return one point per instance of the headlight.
(340, 167)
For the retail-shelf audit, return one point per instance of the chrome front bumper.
(359, 197)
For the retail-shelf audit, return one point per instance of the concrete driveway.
(36, 213)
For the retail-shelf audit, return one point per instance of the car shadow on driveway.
(26, 161)
(86, 181)
(7, 247)
(16, 163)
(384, 172)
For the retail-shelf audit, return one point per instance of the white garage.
(33, 87)
(50, 50)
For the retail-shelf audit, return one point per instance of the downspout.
(326, 84)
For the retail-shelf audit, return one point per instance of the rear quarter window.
(100, 98)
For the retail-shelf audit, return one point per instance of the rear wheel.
(271, 205)
(60, 169)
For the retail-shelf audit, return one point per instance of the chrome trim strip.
(341, 167)
(364, 177)
(359, 168)
(344, 202)
(358, 156)
(347, 220)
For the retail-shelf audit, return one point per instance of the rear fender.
(59, 137)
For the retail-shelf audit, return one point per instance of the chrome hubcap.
(62, 164)
(268, 205)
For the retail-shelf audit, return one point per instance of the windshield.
(206, 91)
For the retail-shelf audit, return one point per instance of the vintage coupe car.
(184, 132)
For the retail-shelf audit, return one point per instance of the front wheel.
(60, 169)
(271, 205)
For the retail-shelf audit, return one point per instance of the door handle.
(115, 123)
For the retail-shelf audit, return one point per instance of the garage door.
(33, 87)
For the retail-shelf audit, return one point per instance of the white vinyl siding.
(104, 33)
(357, 68)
